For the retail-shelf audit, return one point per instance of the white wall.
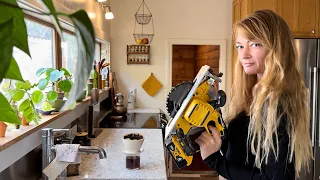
(183, 19)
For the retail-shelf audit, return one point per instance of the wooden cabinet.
(302, 16)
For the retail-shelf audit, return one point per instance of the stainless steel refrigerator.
(309, 60)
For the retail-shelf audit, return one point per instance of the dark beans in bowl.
(133, 136)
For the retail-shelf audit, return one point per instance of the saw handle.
(213, 123)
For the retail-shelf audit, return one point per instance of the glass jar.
(133, 160)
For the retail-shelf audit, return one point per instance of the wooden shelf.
(142, 54)
(128, 62)
(147, 53)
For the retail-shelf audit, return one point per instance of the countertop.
(152, 160)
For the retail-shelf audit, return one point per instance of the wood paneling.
(188, 59)
(207, 55)
(182, 63)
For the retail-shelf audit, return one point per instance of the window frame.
(57, 52)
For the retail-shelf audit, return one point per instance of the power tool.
(192, 106)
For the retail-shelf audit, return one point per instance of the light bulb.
(109, 15)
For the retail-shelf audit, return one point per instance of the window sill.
(14, 136)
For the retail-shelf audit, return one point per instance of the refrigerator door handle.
(314, 104)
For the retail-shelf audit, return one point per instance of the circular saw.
(193, 106)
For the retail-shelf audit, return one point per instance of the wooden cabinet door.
(254, 5)
(300, 15)
(243, 8)
(236, 15)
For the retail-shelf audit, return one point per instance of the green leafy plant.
(22, 100)
(13, 33)
(59, 81)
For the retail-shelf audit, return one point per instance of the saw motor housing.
(200, 112)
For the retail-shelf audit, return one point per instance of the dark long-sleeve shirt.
(232, 163)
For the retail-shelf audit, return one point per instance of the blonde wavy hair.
(281, 91)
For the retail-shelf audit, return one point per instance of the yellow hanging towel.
(151, 85)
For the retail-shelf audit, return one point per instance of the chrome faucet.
(48, 148)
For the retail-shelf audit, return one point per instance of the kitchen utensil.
(119, 108)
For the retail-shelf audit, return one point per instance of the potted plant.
(58, 84)
(23, 100)
(13, 33)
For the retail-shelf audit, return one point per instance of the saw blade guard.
(204, 73)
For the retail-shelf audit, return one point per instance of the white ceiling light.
(109, 14)
(101, 0)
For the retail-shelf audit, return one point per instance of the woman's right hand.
(209, 144)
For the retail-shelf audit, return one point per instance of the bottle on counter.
(95, 76)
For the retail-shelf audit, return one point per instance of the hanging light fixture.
(109, 14)
(101, 1)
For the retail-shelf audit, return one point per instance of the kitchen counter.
(152, 160)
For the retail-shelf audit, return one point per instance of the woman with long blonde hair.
(268, 120)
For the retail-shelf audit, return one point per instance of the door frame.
(222, 58)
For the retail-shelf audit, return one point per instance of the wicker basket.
(142, 36)
(143, 18)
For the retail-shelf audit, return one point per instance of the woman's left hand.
(209, 144)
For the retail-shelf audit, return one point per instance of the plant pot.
(82, 96)
(60, 95)
(24, 121)
(3, 128)
(57, 104)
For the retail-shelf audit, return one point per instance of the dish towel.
(65, 154)
(151, 85)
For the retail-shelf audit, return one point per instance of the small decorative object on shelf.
(143, 18)
(138, 54)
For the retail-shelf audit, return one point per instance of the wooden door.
(300, 15)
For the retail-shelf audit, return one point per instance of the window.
(97, 56)
(69, 49)
(41, 46)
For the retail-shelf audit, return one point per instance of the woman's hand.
(209, 144)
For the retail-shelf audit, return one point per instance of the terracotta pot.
(3, 128)
(24, 121)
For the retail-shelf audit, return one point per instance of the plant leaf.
(37, 96)
(40, 71)
(86, 48)
(45, 106)
(66, 72)
(26, 85)
(6, 45)
(19, 29)
(65, 85)
(18, 95)
(27, 111)
(5, 86)
(13, 71)
(52, 96)
(55, 75)
(48, 72)
(24, 105)
(30, 117)
(42, 83)
(7, 114)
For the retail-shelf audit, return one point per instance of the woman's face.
(252, 55)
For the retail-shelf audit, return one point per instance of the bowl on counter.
(45, 112)
(132, 142)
